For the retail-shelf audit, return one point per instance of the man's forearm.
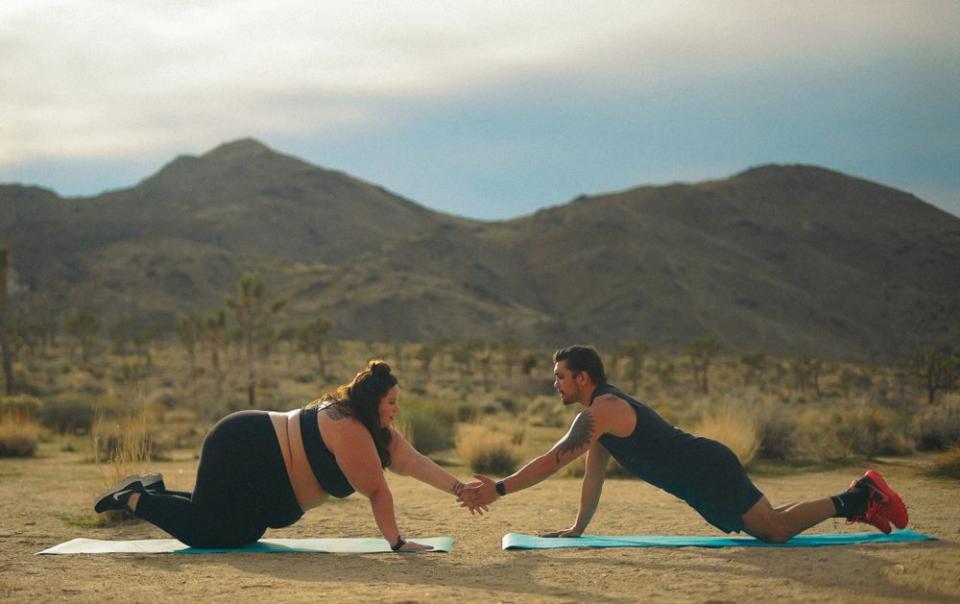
(589, 498)
(533, 472)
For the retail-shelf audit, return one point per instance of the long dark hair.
(361, 399)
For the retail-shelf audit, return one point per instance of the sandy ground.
(46, 501)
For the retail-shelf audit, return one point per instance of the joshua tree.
(462, 355)
(755, 364)
(83, 326)
(528, 363)
(188, 332)
(426, 352)
(938, 368)
(806, 373)
(508, 351)
(143, 337)
(486, 367)
(312, 338)
(213, 325)
(253, 315)
(120, 334)
(636, 353)
(4, 341)
(701, 351)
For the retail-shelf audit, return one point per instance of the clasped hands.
(478, 495)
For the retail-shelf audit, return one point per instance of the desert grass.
(485, 449)
(734, 428)
(823, 425)
(121, 446)
(19, 434)
(947, 464)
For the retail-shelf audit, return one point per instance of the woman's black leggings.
(242, 488)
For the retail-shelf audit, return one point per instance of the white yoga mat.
(264, 546)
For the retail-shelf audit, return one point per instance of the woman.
(262, 469)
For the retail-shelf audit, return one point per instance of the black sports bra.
(322, 461)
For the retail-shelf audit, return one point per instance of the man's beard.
(567, 402)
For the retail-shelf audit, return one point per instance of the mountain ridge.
(787, 259)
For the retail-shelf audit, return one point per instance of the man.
(702, 472)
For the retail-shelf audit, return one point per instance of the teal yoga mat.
(520, 541)
(264, 546)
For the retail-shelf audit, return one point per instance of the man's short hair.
(579, 358)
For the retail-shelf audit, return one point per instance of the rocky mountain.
(783, 259)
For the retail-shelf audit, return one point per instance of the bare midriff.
(306, 488)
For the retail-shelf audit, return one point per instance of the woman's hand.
(412, 546)
(570, 532)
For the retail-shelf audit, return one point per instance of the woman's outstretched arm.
(407, 461)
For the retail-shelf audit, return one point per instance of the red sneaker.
(892, 507)
(873, 514)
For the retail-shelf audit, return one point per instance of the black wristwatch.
(501, 490)
(400, 541)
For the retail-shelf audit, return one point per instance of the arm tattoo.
(578, 436)
(457, 488)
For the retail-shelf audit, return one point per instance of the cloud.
(85, 78)
(476, 104)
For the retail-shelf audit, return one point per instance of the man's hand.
(570, 532)
(478, 495)
(474, 508)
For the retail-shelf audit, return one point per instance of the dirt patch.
(46, 500)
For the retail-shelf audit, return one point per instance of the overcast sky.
(485, 109)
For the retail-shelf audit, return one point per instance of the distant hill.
(783, 259)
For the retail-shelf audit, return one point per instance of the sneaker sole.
(897, 513)
(149, 481)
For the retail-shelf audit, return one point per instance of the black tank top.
(655, 451)
(322, 460)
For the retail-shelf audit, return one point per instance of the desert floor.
(47, 500)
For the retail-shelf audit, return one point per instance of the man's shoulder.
(608, 399)
(611, 407)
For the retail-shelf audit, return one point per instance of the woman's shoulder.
(339, 423)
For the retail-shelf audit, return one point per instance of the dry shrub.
(938, 427)
(121, 446)
(734, 428)
(428, 425)
(19, 434)
(576, 468)
(70, 415)
(515, 431)
(546, 412)
(27, 405)
(486, 450)
(182, 429)
(123, 439)
(947, 464)
(815, 437)
(777, 428)
(869, 430)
